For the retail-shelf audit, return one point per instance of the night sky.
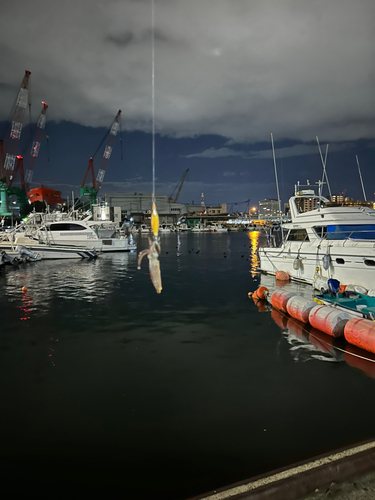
(228, 73)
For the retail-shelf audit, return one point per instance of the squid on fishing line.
(153, 251)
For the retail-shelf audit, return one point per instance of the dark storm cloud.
(239, 69)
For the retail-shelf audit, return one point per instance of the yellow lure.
(154, 221)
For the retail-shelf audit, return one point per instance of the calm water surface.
(107, 386)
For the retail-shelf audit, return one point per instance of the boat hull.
(349, 265)
(54, 251)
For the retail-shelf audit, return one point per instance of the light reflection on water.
(254, 237)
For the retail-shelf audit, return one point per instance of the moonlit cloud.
(239, 69)
(286, 152)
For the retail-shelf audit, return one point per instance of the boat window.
(321, 231)
(369, 262)
(354, 231)
(340, 261)
(66, 227)
(297, 235)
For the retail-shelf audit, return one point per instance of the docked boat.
(216, 227)
(144, 229)
(356, 304)
(68, 232)
(166, 228)
(44, 250)
(325, 242)
(200, 228)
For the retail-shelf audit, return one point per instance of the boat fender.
(24, 289)
(329, 320)
(261, 293)
(282, 276)
(297, 264)
(361, 333)
(279, 299)
(326, 261)
(315, 299)
(320, 283)
(356, 289)
(300, 307)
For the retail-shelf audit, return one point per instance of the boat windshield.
(354, 231)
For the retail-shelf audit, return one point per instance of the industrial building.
(269, 210)
(123, 206)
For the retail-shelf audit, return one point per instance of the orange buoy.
(300, 307)
(361, 332)
(261, 293)
(280, 298)
(328, 320)
(24, 289)
(282, 276)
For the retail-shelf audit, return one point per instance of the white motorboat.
(325, 242)
(200, 228)
(70, 232)
(216, 227)
(82, 234)
(43, 250)
(166, 228)
(144, 229)
(14, 241)
(182, 226)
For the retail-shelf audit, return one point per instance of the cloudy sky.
(227, 74)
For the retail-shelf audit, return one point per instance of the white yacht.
(65, 231)
(325, 242)
(82, 233)
(45, 251)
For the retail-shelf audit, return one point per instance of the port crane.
(178, 188)
(231, 205)
(26, 177)
(10, 162)
(92, 192)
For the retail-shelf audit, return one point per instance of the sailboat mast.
(277, 187)
(360, 176)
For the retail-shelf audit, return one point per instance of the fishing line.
(153, 95)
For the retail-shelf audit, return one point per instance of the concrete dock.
(338, 475)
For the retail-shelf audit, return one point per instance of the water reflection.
(69, 280)
(254, 255)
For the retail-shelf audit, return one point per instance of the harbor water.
(108, 387)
